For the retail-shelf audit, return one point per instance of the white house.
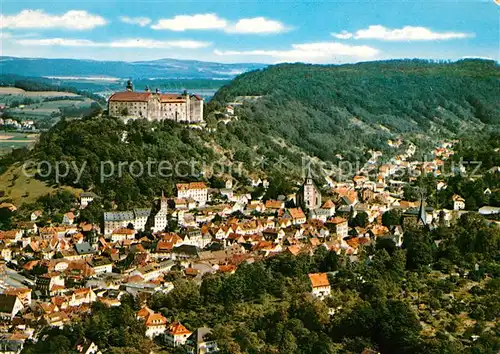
(458, 202)
(320, 285)
(177, 334)
(195, 190)
(156, 323)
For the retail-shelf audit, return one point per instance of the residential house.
(86, 198)
(69, 218)
(86, 346)
(176, 334)
(297, 215)
(24, 295)
(156, 323)
(195, 190)
(123, 234)
(320, 285)
(10, 305)
(201, 342)
(458, 202)
(339, 226)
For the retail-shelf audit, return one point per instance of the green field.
(46, 109)
(43, 107)
(12, 140)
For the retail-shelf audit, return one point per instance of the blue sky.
(251, 31)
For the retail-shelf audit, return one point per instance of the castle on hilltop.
(156, 105)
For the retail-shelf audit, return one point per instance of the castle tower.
(130, 86)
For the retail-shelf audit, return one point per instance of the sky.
(265, 31)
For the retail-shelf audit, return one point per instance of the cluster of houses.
(14, 124)
(51, 275)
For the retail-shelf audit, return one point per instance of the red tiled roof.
(176, 328)
(336, 220)
(319, 280)
(130, 96)
(192, 185)
(297, 213)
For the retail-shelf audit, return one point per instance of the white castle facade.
(156, 105)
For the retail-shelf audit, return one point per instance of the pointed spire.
(309, 174)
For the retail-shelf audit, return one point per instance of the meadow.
(14, 140)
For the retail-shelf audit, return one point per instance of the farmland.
(43, 107)
(13, 140)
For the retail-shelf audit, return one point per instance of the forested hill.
(327, 110)
(296, 110)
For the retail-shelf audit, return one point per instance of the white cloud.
(140, 21)
(320, 52)
(191, 22)
(407, 33)
(74, 19)
(59, 42)
(5, 35)
(123, 43)
(343, 35)
(151, 43)
(257, 25)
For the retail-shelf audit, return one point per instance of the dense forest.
(438, 294)
(347, 109)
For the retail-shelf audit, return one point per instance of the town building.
(138, 218)
(10, 305)
(156, 105)
(156, 323)
(160, 219)
(458, 202)
(86, 198)
(339, 226)
(176, 334)
(201, 342)
(197, 191)
(320, 285)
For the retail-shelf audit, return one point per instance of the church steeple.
(309, 179)
(422, 216)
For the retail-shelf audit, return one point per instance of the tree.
(391, 217)
(92, 214)
(361, 219)
(6, 219)
(419, 252)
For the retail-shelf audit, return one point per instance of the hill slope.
(345, 109)
(301, 110)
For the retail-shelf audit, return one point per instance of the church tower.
(160, 220)
(422, 215)
(309, 196)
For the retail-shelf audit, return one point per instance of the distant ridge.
(154, 69)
